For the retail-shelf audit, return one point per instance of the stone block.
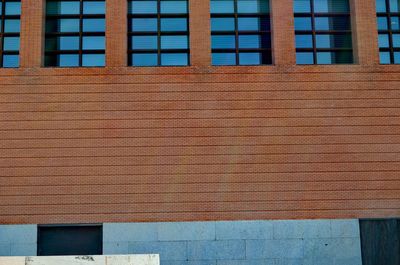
(302, 229)
(186, 231)
(20, 249)
(332, 248)
(115, 232)
(18, 233)
(167, 250)
(213, 250)
(115, 248)
(5, 249)
(247, 262)
(345, 228)
(275, 249)
(244, 230)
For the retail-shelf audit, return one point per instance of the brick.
(275, 249)
(216, 250)
(115, 232)
(167, 250)
(186, 231)
(244, 230)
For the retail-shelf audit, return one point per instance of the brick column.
(365, 33)
(199, 26)
(32, 33)
(282, 25)
(116, 33)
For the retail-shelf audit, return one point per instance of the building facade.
(187, 131)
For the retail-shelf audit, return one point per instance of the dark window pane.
(143, 7)
(394, 5)
(62, 25)
(63, 8)
(173, 24)
(302, 6)
(381, 5)
(396, 40)
(224, 59)
(304, 41)
(94, 7)
(13, 8)
(223, 42)
(383, 40)
(10, 61)
(222, 6)
(12, 25)
(382, 23)
(252, 6)
(11, 43)
(144, 24)
(68, 60)
(174, 7)
(342, 57)
(331, 6)
(222, 24)
(395, 23)
(304, 58)
(178, 59)
(174, 42)
(384, 57)
(144, 42)
(302, 23)
(94, 43)
(93, 60)
(253, 23)
(333, 41)
(144, 59)
(94, 25)
(332, 23)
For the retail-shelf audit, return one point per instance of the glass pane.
(93, 43)
(144, 42)
(174, 7)
(395, 23)
(62, 25)
(302, 6)
(304, 58)
(222, 6)
(174, 42)
(253, 23)
(63, 8)
(144, 24)
(397, 57)
(342, 57)
(145, 59)
(10, 61)
(304, 41)
(222, 24)
(94, 25)
(252, 6)
(173, 24)
(68, 43)
(250, 58)
(381, 5)
(94, 7)
(67, 60)
(396, 40)
(253, 41)
(13, 8)
(384, 57)
(332, 23)
(383, 40)
(382, 23)
(11, 43)
(178, 59)
(143, 7)
(331, 6)
(333, 41)
(93, 60)
(223, 42)
(394, 6)
(302, 23)
(223, 59)
(12, 25)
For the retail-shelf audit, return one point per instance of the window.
(10, 11)
(388, 22)
(75, 33)
(158, 33)
(323, 32)
(240, 32)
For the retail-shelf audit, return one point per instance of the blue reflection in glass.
(173, 24)
(174, 42)
(381, 5)
(144, 24)
(253, 23)
(333, 41)
(382, 23)
(302, 23)
(94, 25)
(68, 43)
(12, 25)
(63, 8)
(249, 41)
(144, 42)
(395, 23)
(331, 6)
(11, 43)
(394, 6)
(332, 23)
(222, 6)
(171, 59)
(383, 40)
(145, 59)
(13, 8)
(68, 60)
(397, 57)
(223, 42)
(93, 43)
(396, 40)
(304, 58)
(384, 57)
(67, 25)
(249, 58)
(174, 7)
(94, 7)
(90, 60)
(304, 41)
(143, 7)
(252, 6)
(222, 24)
(10, 61)
(223, 59)
(302, 6)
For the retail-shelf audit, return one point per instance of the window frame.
(3, 34)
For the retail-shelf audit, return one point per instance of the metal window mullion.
(81, 33)
(314, 41)
(390, 33)
(2, 32)
(235, 13)
(159, 32)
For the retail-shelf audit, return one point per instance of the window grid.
(3, 34)
(314, 32)
(159, 33)
(389, 31)
(263, 50)
(51, 55)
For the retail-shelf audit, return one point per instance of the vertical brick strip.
(282, 25)
(116, 33)
(365, 33)
(199, 26)
(32, 33)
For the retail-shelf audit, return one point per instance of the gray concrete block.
(5, 249)
(167, 250)
(186, 231)
(345, 228)
(174, 262)
(185, 262)
(275, 249)
(247, 262)
(20, 249)
(302, 229)
(115, 232)
(291, 262)
(332, 248)
(212, 250)
(115, 248)
(18, 233)
(319, 261)
(244, 230)
(348, 261)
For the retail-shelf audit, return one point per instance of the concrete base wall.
(18, 240)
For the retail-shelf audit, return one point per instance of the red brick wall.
(200, 142)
